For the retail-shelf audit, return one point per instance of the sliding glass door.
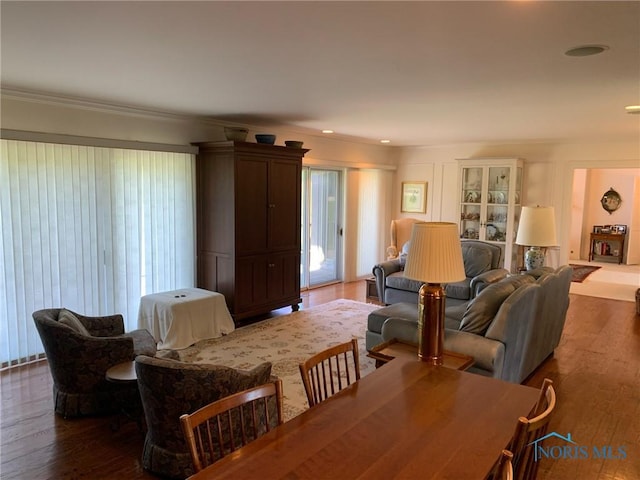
(321, 227)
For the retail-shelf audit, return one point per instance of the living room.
(37, 112)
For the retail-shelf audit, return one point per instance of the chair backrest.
(330, 371)
(530, 432)
(400, 234)
(169, 388)
(225, 425)
(504, 467)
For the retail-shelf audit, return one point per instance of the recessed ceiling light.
(327, 131)
(385, 141)
(635, 109)
(586, 50)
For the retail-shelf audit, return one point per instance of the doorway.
(321, 227)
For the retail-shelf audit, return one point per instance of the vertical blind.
(91, 229)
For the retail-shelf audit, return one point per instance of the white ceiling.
(417, 73)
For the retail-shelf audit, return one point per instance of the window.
(91, 229)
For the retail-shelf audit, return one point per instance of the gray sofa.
(481, 265)
(509, 328)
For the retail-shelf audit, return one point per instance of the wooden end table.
(387, 351)
(372, 290)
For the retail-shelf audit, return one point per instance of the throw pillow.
(65, 317)
(483, 308)
(402, 258)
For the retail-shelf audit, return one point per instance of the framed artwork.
(606, 229)
(414, 197)
(597, 229)
(621, 229)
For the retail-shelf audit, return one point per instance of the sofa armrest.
(479, 282)
(487, 354)
(401, 329)
(381, 271)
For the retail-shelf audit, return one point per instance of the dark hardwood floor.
(596, 373)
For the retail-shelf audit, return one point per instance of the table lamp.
(435, 257)
(537, 229)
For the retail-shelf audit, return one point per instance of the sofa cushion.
(477, 260)
(460, 290)
(398, 281)
(66, 317)
(376, 318)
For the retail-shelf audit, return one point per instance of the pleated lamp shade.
(435, 254)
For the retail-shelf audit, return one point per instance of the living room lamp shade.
(537, 228)
(435, 257)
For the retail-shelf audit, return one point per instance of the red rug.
(580, 272)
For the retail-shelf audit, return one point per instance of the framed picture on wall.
(414, 197)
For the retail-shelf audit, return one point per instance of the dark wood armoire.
(248, 224)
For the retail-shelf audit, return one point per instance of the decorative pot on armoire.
(248, 224)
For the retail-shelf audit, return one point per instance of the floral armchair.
(80, 350)
(170, 388)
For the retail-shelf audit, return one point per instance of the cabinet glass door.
(497, 204)
(470, 203)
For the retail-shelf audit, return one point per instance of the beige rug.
(286, 341)
(613, 281)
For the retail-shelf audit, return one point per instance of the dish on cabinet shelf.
(500, 197)
(491, 232)
(472, 197)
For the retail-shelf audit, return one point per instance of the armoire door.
(252, 207)
(284, 205)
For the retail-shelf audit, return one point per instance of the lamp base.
(534, 258)
(431, 303)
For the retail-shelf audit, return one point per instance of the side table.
(387, 351)
(125, 373)
(372, 290)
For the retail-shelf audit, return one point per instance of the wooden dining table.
(406, 420)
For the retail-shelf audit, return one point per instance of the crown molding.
(46, 98)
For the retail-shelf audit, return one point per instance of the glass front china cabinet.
(490, 196)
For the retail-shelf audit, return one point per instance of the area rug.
(580, 272)
(286, 341)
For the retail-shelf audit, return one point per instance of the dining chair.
(530, 433)
(225, 425)
(504, 467)
(329, 371)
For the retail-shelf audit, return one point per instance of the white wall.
(548, 175)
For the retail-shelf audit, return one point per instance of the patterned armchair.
(170, 388)
(80, 350)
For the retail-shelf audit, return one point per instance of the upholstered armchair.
(80, 350)
(400, 234)
(481, 265)
(170, 388)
